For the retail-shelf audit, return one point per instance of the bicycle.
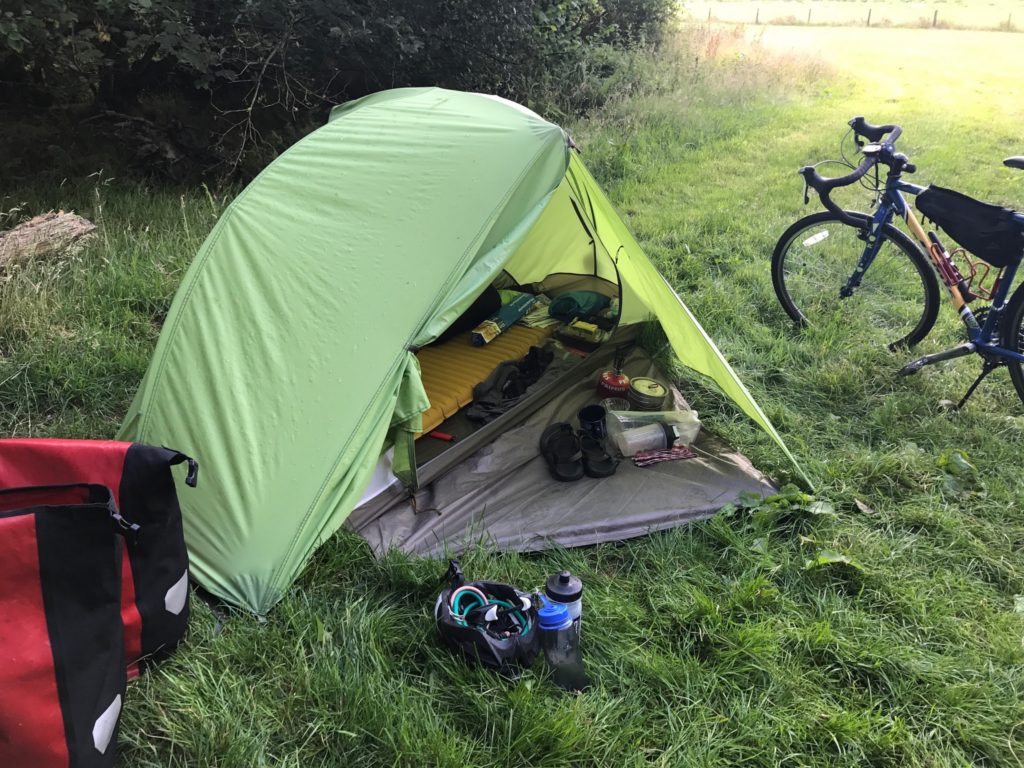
(816, 270)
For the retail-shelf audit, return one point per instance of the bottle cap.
(554, 616)
(563, 587)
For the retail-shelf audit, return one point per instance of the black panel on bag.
(158, 556)
(80, 571)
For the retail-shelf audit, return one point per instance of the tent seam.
(466, 253)
(405, 351)
(202, 260)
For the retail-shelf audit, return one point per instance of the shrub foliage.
(254, 73)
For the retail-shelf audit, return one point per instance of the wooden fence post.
(757, 16)
(869, 17)
(935, 18)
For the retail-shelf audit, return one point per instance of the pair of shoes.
(570, 455)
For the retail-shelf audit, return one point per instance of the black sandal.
(597, 462)
(561, 449)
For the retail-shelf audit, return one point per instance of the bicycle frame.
(981, 338)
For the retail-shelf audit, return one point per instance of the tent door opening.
(561, 256)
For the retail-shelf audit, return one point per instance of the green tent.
(286, 363)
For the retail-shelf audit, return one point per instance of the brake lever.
(807, 192)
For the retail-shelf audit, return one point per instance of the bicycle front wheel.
(1013, 338)
(897, 300)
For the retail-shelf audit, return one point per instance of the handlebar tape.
(823, 186)
(875, 132)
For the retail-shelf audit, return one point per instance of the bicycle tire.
(899, 291)
(1013, 338)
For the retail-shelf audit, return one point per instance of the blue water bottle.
(561, 644)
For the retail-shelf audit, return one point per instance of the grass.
(714, 644)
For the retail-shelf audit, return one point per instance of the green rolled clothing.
(577, 304)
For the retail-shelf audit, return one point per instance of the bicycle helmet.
(487, 622)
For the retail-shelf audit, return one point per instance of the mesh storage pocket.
(988, 231)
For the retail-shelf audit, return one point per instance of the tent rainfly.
(287, 361)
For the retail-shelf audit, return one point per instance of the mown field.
(962, 14)
(714, 644)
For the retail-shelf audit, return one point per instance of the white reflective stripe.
(816, 238)
(103, 730)
(174, 600)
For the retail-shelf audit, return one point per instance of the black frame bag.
(987, 231)
(62, 671)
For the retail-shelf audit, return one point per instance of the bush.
(254, 74)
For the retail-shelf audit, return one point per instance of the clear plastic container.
(649, 437)
(684, 424)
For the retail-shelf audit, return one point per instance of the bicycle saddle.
(1014, 162)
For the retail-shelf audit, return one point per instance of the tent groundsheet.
(503, 496)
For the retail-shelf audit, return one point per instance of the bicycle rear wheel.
(1013, 338)
(898, 297)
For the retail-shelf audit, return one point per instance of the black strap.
(454, 574)
(193, 466)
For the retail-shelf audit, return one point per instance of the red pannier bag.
(62, 672)
(154, 597)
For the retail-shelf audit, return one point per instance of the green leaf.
(749, 500)
(959, 473)
(829, 559)
(822, 508)
(957, 463)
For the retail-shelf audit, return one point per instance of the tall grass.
(76, 333)
(883, 629)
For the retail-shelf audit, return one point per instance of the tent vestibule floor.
(502, 496)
